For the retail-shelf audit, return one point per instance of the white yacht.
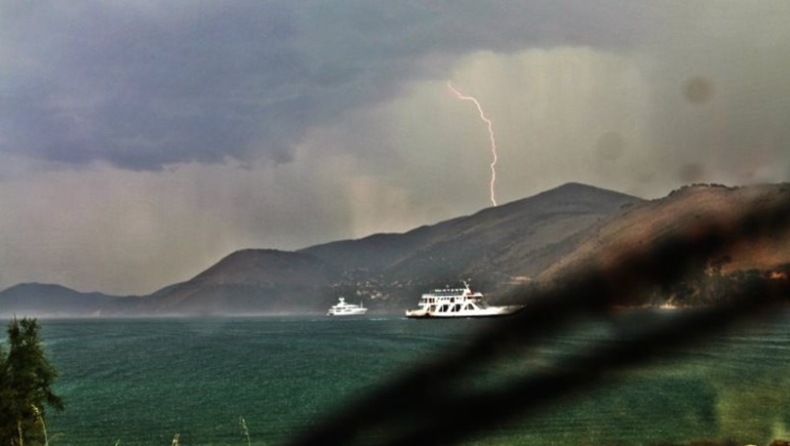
(344, 309)
(457, 302)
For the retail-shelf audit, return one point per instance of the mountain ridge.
(54, 300)
(529, 241)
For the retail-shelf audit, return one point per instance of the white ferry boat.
(457, 302)
(344, 309)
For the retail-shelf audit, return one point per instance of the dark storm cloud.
(141, 91)
(145, 85)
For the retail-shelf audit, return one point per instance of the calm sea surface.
(220, 381)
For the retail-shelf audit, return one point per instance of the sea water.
(262, 380)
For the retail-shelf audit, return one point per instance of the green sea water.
(262, 380)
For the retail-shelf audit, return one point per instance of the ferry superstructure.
(457, 302)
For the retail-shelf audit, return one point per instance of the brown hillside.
(644, 224)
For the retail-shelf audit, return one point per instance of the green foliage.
(26, 377)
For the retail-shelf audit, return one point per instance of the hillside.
(249, 281)
(525, 230)
(54, 301)
(387, 271)
(645, 224)
(533, 241)
(519, 239)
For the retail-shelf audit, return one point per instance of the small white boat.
(344, 309)
(457, 302)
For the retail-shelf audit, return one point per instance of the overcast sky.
(142, 141)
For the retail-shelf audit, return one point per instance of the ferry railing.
(423, 406)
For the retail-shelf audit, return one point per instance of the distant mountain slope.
(38, 299)
(535, 240)
(516, 239)
(643, 224)
(389, 269)
(532, 223)
(267, 267)
(373, 253)
(386, 270)
(250, 281)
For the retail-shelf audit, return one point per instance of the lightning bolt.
(490, 136)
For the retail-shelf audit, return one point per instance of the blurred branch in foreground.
(424, 407)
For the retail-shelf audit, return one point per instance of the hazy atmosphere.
(142, 141)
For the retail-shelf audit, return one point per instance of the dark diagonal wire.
(453, 419)
(426, 395)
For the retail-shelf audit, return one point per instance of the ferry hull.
(347, 313)
(494, 312)
(456, 303)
